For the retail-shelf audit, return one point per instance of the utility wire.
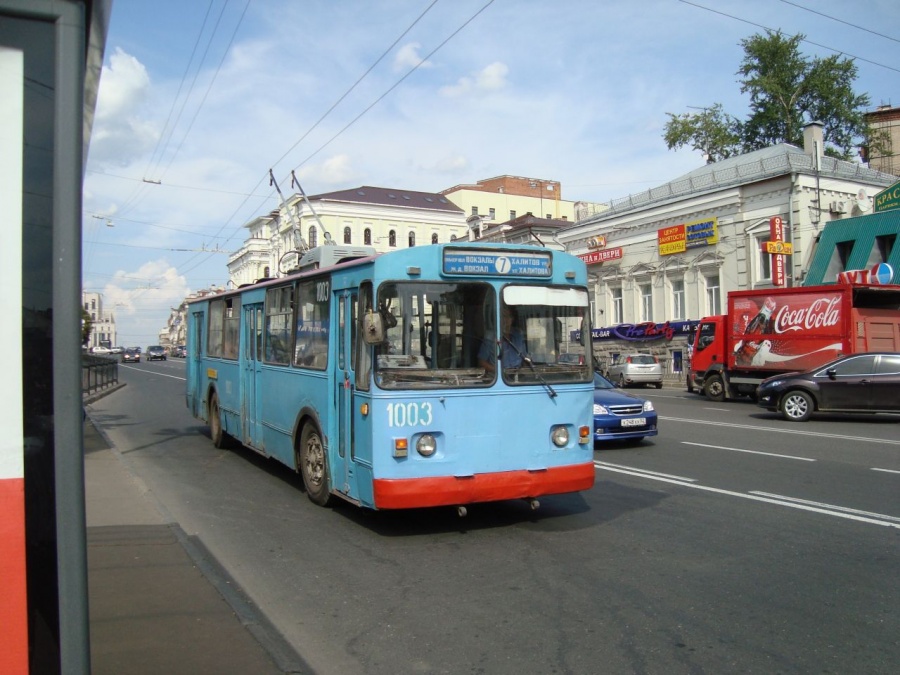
(395, 85)
(781, 32)
(846, 23)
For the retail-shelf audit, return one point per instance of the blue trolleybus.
(438, 375)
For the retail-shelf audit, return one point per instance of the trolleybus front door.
(250, 369)
(344, 478)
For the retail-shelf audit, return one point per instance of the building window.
(313, 236)
(838, 261)
(412, 239)
(713, 295)
(392, 238)
(474, 210)
(434, 238)
(512, 215)
(347, 236)
(881, 250)
(678, 312)
(617, 305)
(763, 260)
(492, 214)
(367, 236)
(646, 302)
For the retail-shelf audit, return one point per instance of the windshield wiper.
(527, 359)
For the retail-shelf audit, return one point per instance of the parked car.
(156, 352)
(99, 349)
(619, 415)
(116, 350)
(131, 355)
(858, 383)
(635, 369)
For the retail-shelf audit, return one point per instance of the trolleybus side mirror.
(373, 328)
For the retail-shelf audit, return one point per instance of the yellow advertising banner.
(779, 247)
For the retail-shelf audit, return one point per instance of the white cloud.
(120, 133)
(155, 283)
(334, 171)
(408, 57)
(451, 164)
(489, 78)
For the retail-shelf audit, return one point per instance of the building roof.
(776, 160)
(367, 194)
(863, 233)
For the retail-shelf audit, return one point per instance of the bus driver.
(512, 344)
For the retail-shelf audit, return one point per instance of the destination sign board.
(478, 262)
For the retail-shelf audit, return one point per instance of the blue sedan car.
(619, 415)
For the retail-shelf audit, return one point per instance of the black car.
(859, 383)
(131, 355)
(156, 352)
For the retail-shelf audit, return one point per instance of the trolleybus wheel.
(314, 466)
(215, 423)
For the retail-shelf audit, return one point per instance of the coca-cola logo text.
(822, 313)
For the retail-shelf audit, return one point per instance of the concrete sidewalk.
(159, 602)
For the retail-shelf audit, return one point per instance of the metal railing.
(98, 373)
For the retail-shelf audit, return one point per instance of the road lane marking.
(152, 372)
(639, 472)
(842, 509)
(783, 431)
(875, 468)
(752, 452)
(824, 509)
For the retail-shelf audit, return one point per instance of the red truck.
(778, 330)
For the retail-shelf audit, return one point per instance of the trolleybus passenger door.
(250, 369)
(345, 379)
(195, 373)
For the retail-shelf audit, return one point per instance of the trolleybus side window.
(313, 307)
(362, 350)
(216, 327)
(279, 314)
(232, 328)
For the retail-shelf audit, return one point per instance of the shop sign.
(679, 238)
(645, 332)
(888, 199)
(595, 257)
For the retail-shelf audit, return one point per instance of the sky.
(200, 99)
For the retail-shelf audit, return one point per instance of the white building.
(384, 218)
(672, 253)
(103, 330)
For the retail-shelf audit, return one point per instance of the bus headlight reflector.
(560, 436)
(426, 445)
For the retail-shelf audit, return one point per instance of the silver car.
(630, 369)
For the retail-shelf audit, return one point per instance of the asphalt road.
(732, 542)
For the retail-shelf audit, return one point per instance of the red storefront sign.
(776, 234)
(595, 257)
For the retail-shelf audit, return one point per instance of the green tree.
(713, 132)
(87, 325)
(787, 90)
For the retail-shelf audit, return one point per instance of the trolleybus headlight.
(560, 436)
(426, 445)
